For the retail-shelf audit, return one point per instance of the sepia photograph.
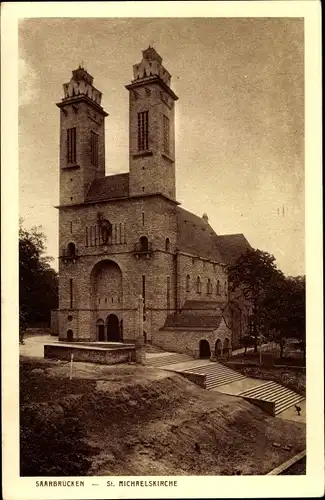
(162, 251)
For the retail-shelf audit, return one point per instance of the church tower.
(151, 128)
(82, 137)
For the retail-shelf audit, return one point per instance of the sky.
(239, 117)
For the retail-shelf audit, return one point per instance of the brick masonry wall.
(153, 171)
(159, 224)
(188, 341)
(75, 179)
(55, 322)
(205, 269)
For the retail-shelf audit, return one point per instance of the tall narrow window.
(168, 292)
(71, 145)
(209, 286)
(198, 284)
(71, 227)
(143, 131)
(143, 218)
(71, 292)
(166, 134)
(218, 287)
(144, 288)
(188, 283)
(94, 148)
(226, 289)
(167, 245)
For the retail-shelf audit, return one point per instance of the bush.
(51, 442)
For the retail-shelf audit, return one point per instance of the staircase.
(280, 397)
(273, 398)
(216, 374)
(168, 359)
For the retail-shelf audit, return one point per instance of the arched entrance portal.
(112, 328)
(204, 349)
(106, 285)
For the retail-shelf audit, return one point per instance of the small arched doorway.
(226, 348)
(218, 349)
(204, 349)
(69, 335)
(144, 243)
(112, 328)
(100, 330)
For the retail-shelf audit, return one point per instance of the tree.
(38, 282)
(250, 275)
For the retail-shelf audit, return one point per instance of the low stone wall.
(196, 378)
(267, 406)
(100, 355)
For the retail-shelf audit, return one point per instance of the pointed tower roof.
(150, 54)
(151, 69)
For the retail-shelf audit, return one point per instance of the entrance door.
(101, 333)
(100, 330)
(69, 335)
(204, 349)
(113, 328)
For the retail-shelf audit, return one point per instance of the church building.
(125, 235)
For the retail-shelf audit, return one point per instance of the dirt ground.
(145, 421)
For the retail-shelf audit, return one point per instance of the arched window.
(226, 288)
(198, 284)
(218, 288)
(209, 286)
(71, 250)
(167, 245)
(144, 243)
(188, 283)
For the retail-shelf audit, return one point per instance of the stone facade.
(126, 235)
(187, 341)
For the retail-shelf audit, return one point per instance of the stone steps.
(216, 374)
(283, 397)
(170, 359)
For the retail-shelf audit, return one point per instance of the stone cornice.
(79, 98)
(152, 79)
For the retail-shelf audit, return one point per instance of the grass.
(296, 381)
(136, 420)
(271, 357)
(273, 367)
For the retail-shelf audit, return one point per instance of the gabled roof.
(204, 305)
(106, 188)
(231, 246)
(196, 236)
(187, 320)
